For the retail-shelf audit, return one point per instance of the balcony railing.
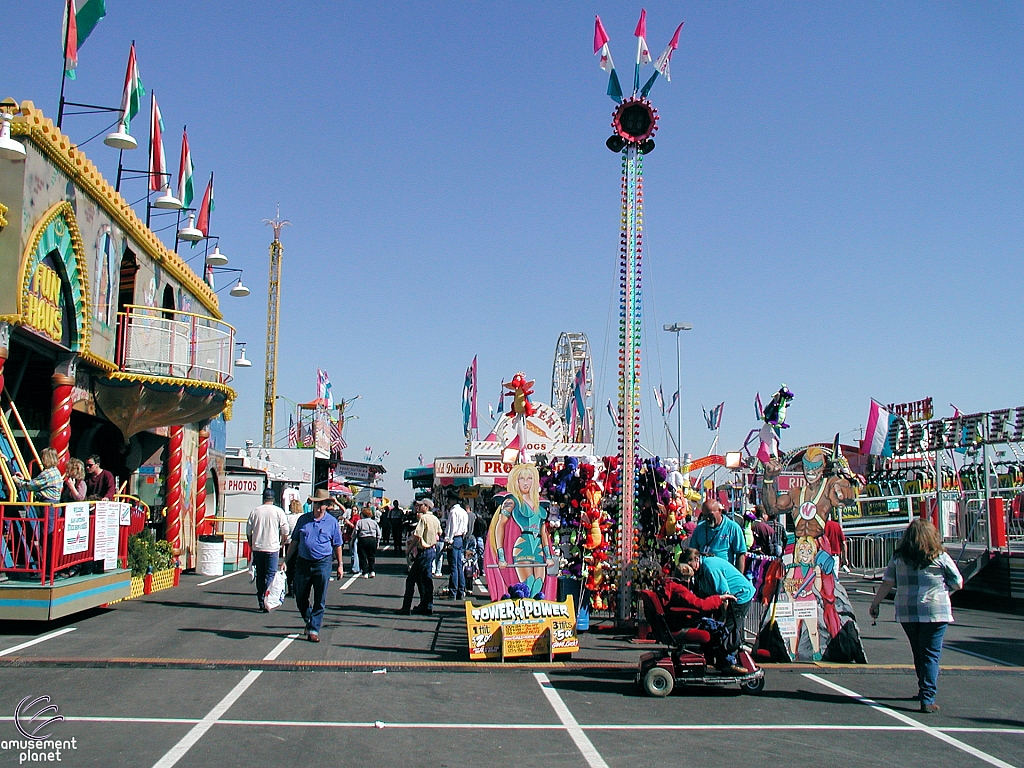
(181, 345)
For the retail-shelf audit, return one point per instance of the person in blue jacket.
(718, 536)
(716, 576)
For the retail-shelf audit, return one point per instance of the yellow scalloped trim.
(97, 361)
(72, 161)
(145, 378)
(3, 210)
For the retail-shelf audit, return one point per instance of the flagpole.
(718, 434)
(64, 68)
(149, 170)
(63, 80)
(120, 155)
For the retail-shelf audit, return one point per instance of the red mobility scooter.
(684, 660)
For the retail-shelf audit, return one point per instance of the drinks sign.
(454, 467)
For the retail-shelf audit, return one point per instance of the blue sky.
(835, 201)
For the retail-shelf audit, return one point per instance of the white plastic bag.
(274, 596)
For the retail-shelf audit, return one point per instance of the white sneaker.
(365, 575)
(372, 574)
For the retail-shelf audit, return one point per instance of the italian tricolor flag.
(134, 90)
(205, 209)
(157, 158)
(78, 25)
(185, 189)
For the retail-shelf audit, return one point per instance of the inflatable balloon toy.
(775, 411)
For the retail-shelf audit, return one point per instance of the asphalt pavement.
(196, 676)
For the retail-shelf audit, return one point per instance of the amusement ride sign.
(543, 430)
(966, 431)
(919, 410)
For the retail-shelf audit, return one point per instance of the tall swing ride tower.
(634, 123)
(273, 326)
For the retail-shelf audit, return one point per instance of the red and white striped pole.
(63, 381)
(174, 498)
(202, 467)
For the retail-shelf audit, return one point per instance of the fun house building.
(109, 343)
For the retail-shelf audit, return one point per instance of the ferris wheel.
(571, 352)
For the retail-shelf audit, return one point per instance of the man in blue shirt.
(715, 576)
(316, 535)
(718, 536)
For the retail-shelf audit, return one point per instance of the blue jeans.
(479, 554)
(926, 643)
(266, 568)
(353, 549)
(315, 574)
(457, 580)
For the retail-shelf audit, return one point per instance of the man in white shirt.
(288, 495)
(267, 532)
(455, 529)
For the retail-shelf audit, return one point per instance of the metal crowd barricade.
(974, 528)
(869, 554)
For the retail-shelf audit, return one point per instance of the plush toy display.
(581, 529)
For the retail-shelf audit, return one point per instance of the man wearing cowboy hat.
(316, 534)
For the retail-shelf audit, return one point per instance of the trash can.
(580, 598)
(211, 555)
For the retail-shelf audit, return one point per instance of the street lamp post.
(676, 328)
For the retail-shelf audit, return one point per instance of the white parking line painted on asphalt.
(37, 640)
(197, 732)
(529, 726)
(583, 743)
(221, 578)
(279, 648)
(350, 582)
(413, 726)
(917, 725)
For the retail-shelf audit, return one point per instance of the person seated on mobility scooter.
(682, 606)
(714, 576)
(684, 610)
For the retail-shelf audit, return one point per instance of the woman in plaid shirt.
(924, 576)
(47, 484)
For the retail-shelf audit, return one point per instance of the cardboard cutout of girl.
(518, 542)
(803, 585)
